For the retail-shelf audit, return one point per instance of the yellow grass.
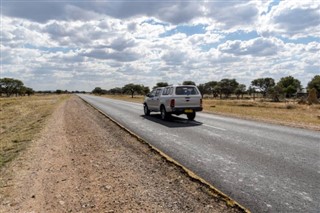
(288, 113)
(21, 119)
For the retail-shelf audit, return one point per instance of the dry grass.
(289, 113)
(21, 119)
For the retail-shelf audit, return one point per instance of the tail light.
(201, 102)
(172, 103)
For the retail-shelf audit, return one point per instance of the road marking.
(214, 127)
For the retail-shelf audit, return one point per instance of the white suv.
(174, 100)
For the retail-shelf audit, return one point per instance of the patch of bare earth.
(85, 163)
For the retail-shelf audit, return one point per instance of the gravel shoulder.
(83, 162)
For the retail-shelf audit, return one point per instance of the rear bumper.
(182, 109)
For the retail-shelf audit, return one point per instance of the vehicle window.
(170, 91)
(165, 91)
(186, 91)
(153, 93)
(158, 92)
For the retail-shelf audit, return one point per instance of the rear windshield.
(185, 90)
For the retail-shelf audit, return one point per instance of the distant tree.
(116, 90)
(290, 85)
(212, 87)
(10, 86)
(202, 89)
(240, 90)
(263, 85)
(22, 91)
(146, 90)
(312, 96)
(227, 86)
(133, 88)
(209, 88)
(315, 83)
(252, 91)
(188, 83)
(59, 91)
(97, 90)
(161, 84)
(275, 93)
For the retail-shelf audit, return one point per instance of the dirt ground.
(83, 162)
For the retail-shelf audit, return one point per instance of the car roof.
(181, 86)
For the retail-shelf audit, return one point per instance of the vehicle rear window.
(186, 91)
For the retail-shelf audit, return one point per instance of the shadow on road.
(174, 122)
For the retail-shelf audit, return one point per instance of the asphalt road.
(265, 167)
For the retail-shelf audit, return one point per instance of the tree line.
(287, 87)
(11, 86)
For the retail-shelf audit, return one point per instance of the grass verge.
(284, 113)
(21, 119)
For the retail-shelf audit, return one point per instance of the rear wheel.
(164, 114)
(191, 116)
(146, 109)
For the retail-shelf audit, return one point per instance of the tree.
(227, 86)
(263, 85)
(116, 90)
(240, 90)
(97, 90)
(146, 90)
(132, 88)
(209, 88)
(312, 97)
(315, 83)
(290, 85)
(29, 91)
(202, 89)
(161, 84)
(212, 88)
(188, 83)
(10, 86)
(275, 93)
(59, 91)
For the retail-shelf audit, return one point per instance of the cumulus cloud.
(232, 13)
(292, 19)
(43, 11)
(254, 47)
(123, 56)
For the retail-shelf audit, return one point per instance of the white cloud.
(292, 19)
(254, 47)
(229, 14)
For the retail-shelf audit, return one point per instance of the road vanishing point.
(265, 167)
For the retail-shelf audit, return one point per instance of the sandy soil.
(83, 162)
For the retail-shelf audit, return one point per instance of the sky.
(80, 45)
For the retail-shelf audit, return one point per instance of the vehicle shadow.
(173, 122)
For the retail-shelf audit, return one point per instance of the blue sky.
(80, 45)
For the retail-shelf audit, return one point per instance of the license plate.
(188, 111)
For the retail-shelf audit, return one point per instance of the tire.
(164, 114)
(146, 110)
(191, 116)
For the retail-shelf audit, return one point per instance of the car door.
(156, 99)
(150, 99)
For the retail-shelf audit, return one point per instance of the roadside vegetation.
(21, 120)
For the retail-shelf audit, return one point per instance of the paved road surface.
(267, 168)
